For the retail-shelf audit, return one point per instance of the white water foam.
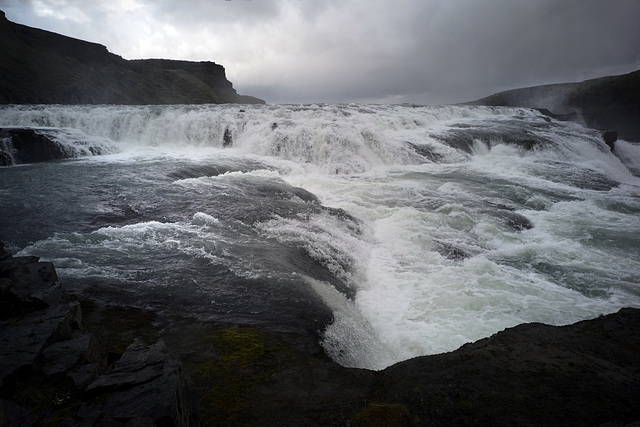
(629, 154)
(434, 263)
(333, 139)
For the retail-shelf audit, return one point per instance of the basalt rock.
(20, 145)
(53, 371)
(41, 67)
(532, 374)
(610, 139)
(227, 139)
(147, 386)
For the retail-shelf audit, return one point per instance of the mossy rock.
(382, 415)
(239, 359)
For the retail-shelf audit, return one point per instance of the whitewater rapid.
(433, 226)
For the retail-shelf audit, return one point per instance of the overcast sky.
(418, 51)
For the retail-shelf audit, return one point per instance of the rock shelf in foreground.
(65, 360)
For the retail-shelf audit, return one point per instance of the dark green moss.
(239, 360)
(382, 415)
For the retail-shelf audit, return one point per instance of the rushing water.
(394, 231)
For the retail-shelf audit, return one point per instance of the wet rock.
(21, 344)
(15, 267)
(27, 285)
(227, 139)
(451, 251)
(425, 151)
(148, 385)
(23, 145)
(40, 282)
(568, 117)
(32, 145)
(4, 254)
(14, 415)
(535, 374)
(516, 221)
(51, 368)
(80, 350)
(610, 139)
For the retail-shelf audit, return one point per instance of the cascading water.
(407, 230)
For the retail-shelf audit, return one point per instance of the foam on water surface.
(421, 228)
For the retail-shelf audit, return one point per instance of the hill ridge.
(607, 103)
(43, 67)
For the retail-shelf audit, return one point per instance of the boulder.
(610, 139)
(227, 139)
(27, 285)
(65, 356)
(33, 145)
(14, 415)
(147, 385)
(21, 145)
(22, 343)
(450, 251)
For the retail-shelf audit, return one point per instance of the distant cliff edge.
(607, 103)
(41, 67)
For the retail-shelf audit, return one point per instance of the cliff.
(608, 103)
(41, 67)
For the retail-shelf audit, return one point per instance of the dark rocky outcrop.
(65, 360)
(33, 145)
(148, 384)
(41, 67)
(610, 138)
(20, 145)
(608, 103)
(532, 374)
(54, 371)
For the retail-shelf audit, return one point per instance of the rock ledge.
(65, 360)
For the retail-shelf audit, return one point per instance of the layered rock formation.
(608, 103)
(67, 360)
(41, 67)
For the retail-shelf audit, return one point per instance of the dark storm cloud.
(424, 51)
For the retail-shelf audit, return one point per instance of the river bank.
(67, 360)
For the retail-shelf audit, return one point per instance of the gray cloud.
(423, 51)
